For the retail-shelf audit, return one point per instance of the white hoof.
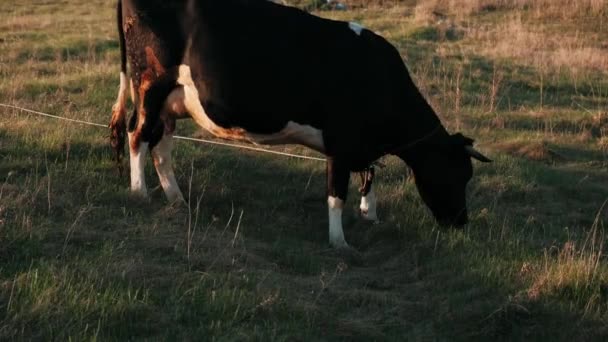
(139, 193)
(369, 216)
(175, 197)
(368, 207)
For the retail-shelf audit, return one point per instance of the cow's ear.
(467, 143)
(473, 153)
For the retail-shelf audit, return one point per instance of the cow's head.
(442, 173)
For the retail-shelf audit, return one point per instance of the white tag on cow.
(357, 28)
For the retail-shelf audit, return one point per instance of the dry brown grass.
(523, 41)
(531, 150)
(525, 35)
(603, 144)
(273, 276)
(570, 270)
(539, 8)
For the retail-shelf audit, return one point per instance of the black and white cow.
(256, 71)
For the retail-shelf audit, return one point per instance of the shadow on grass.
(273, 277)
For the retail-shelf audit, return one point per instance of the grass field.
(81, 259)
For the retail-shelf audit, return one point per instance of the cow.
(264, 73)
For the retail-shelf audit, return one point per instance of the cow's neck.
(429, 135)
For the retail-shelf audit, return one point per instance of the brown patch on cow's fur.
(367, 178)
(153, 62)
(128, 24)
(235, 134)
(147, 79)
(135, 140)
(238, 134)
(152, 73)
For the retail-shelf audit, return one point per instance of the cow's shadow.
(283, 227)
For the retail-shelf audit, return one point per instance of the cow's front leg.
(161, 154)
(368, 196)
(338, 176)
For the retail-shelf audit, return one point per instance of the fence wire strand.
(205, 141)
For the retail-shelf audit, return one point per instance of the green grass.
(81, 259)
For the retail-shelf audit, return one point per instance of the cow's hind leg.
(338, 176)
(161, 154)
(146, 129)
(368, 196)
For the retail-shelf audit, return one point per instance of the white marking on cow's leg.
(138, 164)
(132, 87)
(161, 154)
(368, 206)
(121, 100)
(336, 233)
(117, 122)
(357, 28)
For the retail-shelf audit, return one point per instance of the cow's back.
(263, 63)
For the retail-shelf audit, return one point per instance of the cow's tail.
(118, 127)
(121, 38)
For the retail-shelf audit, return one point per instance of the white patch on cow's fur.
(336, 233)
(357, 28)
(118, 110)
(368, 206)
(185, 99)
(132, 87)
(161, 155)
(122, 93)
(138, 164)
(293, 133)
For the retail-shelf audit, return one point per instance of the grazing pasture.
(248, 258)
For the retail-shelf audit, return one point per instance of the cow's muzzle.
(458, 222)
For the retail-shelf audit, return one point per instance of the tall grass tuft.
(574, 271)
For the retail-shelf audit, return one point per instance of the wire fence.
(204, 141)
